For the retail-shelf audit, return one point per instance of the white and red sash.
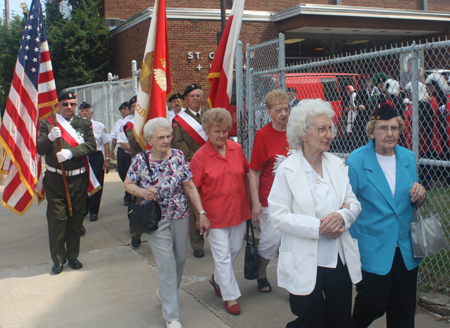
(192, 127)
(69, 134)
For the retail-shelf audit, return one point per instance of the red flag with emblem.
(155, 85)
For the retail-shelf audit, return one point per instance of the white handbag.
(427, 235)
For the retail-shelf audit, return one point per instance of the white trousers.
(226, 243)
(169, 245)
(270, 237)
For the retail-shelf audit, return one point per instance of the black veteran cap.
(175, 96)
(122, 105)
(132, 101)
(67, 95)
(85, 105)
(190, 88)
(291, 90)
(383, 112)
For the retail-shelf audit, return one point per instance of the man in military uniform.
(99, 163)
(78, 141)
(123, 151)
(189, 143)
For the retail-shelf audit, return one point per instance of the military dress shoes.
(135, 242)
(57, 268)
(199, 253)
(83, 231)
(75, 264)
(94, 217)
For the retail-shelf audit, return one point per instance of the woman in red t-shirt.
(219, 171)
(269, 149)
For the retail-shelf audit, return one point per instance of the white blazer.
(292, 211)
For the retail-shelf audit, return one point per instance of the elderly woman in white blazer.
(312, 203)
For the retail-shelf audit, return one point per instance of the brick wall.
(184, 37)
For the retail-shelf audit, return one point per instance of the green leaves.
(79, 45)
(10, 40)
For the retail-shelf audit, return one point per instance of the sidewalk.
(117, 284)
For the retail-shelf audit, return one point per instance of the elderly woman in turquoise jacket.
(384, 179)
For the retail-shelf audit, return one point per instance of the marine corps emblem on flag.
(146, 75)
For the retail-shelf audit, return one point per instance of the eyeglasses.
(65, 104)
(162, 138)
(323, 130)
(195, 96)
(386, 129)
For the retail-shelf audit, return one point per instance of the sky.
(13, 5)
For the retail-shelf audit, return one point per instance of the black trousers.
(393, 294)
(123, 164)
(93, 203)
(330, 303)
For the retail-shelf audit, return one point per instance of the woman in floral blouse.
(169, 182)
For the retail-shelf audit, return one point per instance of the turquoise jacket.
(384, 220)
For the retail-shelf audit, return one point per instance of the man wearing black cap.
(174, 104)
(188, 136)
(98, 162)
(77, 140)
(120, 138)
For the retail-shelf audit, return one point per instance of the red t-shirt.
(221, 184)
(267, 145)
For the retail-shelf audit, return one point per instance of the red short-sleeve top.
(221, 184)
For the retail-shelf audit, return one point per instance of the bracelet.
(201, 212)
(107, 159)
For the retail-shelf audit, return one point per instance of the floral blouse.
(167, 176)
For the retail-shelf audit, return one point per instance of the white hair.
(158, 122)
(297, 124)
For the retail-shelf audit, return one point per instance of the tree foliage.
(10, 40)
(79, 45)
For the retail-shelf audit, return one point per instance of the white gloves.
(64, 155)
(443, 109)
(54, 134)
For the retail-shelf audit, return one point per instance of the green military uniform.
(183, 141)
(64, 230)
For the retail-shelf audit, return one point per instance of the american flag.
(31, 96)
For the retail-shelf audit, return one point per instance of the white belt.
(79, 171)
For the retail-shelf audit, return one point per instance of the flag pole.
(63, 171)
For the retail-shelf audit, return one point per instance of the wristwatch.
(107, 159)
(201, 212)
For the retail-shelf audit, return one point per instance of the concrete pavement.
(117, 284)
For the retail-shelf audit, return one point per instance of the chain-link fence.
(412, 78)
(106, 97)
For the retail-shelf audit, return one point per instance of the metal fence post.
(134, 74)
(282, 60)
(238, 84)
(249, 103)
(109, 94)
(415, 104)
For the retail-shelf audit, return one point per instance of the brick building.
(315, 29)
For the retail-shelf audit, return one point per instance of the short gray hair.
(297, 124)
(158, 122)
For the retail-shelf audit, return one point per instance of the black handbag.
(144, 218)
(251, 267)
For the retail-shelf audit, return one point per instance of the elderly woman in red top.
(269, 149)
(219, 171)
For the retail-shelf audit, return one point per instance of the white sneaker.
(174, 324)
(158, 295)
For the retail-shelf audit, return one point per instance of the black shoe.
(82, 231)
(94, 217)
(199, 253)
(135, 242)
(75, 264)
(57, 268)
